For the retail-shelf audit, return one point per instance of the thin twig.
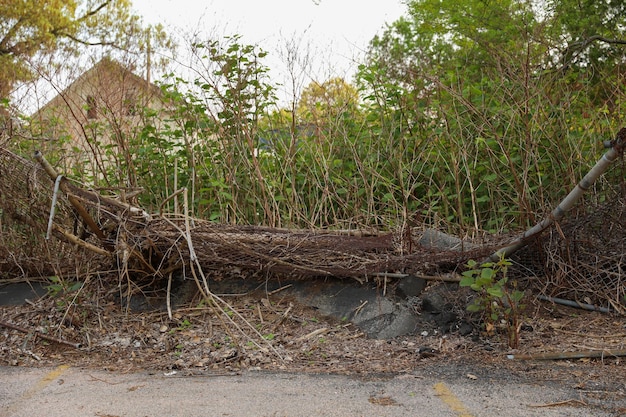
(280, 289)
(559, 403)
(282, 318)
(451, 277)
(359, 308)
(314, 333)
(169, 198)
(203, 286)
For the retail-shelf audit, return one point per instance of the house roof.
(108, 65)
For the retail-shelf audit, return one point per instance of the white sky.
(335, 32)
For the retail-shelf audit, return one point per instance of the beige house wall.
(91, 121)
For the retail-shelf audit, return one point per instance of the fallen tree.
(157, 245)
(99, 231)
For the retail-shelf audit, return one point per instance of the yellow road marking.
(451, 400)
(51, 376)
(40, 385)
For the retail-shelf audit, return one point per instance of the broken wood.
(89, 221)
(313, 334)
(616, 149)
(571, 303)
(79, 242)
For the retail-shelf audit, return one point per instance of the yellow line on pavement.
(451, 400)
(40, 385)
(51, 376)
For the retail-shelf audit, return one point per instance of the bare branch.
(4, 42)
(93, 12)
(82, 41)
(575, 48)
(586, 42)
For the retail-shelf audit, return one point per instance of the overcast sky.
(335, 32)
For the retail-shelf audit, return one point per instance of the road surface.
(64, 391)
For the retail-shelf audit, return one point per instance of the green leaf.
(517, 295)
(471, 273)
(495, 292)
(475, 308)
(483, 281)
(487, 273)
(466, 281)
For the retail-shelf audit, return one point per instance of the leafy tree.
(29, 27)
(587, 33)
(506, 95)
(210, 141)
(49, 44)
(327, 100)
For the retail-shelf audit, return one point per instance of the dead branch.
(570, 355)
(568, 202)
(40, 335)
(571, 303)
(91, 223)
(451, 277)
(79, 242)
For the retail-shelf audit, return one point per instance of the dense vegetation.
(473, 115)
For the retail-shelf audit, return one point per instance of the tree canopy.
(474, 37)
(29, 27)
(503, 92)
(321, 101)
(471, 115)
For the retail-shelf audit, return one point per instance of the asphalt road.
(70, 392)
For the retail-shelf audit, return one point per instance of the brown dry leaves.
(292, 338)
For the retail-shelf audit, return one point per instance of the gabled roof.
(105, 65)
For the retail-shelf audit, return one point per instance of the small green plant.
(64, 292)
(498, 298)
(179, 350)
(59, 286)
(184, 325)
(56, 287)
